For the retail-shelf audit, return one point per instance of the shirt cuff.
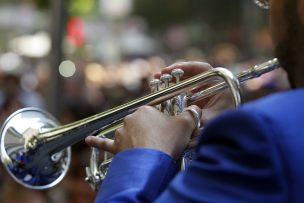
(147, 171)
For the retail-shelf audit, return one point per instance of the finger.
(101, 143)
(191, 68)
(192, 115)
(157, 75)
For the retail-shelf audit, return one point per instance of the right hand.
(169, 134)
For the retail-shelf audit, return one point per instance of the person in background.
(252, 154)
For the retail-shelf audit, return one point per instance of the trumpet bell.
(33, 168)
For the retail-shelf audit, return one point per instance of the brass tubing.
(59, 138)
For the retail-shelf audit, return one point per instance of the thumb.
(104, 144)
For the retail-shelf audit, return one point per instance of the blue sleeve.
(137, 175)
(238, 160)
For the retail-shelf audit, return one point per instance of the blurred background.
(76, 58)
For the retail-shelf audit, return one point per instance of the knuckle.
(186, 120)
(195, 64)
(176, 65)
(118, 133)
(144, 109)
(127, 119)
(181, 64)
(204, 65)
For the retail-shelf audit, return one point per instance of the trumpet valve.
(166, 106)
(94, 180)
(177, 73)
(180, 101)
(166, 78)
(155, 84)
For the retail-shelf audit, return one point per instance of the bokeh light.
(67, 69)
(95, 73)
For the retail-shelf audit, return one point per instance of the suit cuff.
(146, 171)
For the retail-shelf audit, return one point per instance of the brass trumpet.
(35, 150)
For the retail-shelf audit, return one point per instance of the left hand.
(191, 68)
(149, 128)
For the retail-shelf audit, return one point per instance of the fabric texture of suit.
(253, 154)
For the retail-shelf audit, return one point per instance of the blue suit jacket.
(253, 154)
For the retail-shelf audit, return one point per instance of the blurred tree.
(162, 13)
(43, 4)
(75, 7)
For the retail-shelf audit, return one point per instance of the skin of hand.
(156, 131)
(149, 128)
(190, 69)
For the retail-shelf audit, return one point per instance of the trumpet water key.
(35, 149)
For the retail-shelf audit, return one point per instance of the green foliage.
(161, 13)
(42, 4)
(81, 7)
(75, 7)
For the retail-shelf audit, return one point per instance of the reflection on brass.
(36, 152)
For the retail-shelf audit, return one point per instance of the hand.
(191, 69)
(149, 128)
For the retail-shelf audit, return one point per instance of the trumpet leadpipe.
(243, 76)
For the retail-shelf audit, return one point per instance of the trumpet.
(36, 150)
